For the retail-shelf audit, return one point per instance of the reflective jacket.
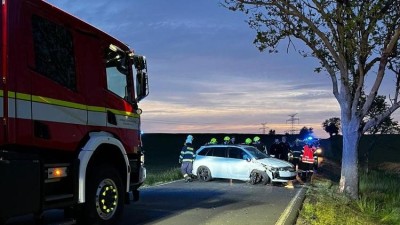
(308, 154)
(187, 153)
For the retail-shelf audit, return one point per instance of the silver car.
(240, 162)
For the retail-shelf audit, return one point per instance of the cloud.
(205, 73)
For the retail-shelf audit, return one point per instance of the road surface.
(197, 203)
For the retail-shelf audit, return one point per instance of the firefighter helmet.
(248, 141)
(227, 138)
(256, 138)
(213, 141)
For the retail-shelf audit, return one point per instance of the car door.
(237, 165)
(216, 162)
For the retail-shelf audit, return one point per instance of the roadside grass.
(155, 177)
(379, 202)
(380, 196)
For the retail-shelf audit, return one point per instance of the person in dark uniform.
(284, 148)
(186, 158)
(274, 150)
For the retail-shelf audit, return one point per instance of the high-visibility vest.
(308, 154)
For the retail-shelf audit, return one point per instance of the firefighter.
(308, 159)
(186, 158)
(213, 141)
(295, 158)
(295, 153)
(284, 149)
(227, 140)
(248, 141)
(259, 145)
(233, 139)
(274, 150)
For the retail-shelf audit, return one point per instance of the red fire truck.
(70, 121)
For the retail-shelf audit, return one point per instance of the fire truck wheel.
(104, 196)
(204, 174)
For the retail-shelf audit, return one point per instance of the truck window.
(54, 55)
(117, 71)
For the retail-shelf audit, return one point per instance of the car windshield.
(257, 154)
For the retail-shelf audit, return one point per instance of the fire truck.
(70, 121)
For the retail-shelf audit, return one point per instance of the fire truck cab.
(69, 116)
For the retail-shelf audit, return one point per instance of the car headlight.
(273, 169)
(318, 151)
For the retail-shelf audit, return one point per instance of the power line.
(292, 121)
(264, 127)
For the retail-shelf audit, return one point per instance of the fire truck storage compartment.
(19, 183)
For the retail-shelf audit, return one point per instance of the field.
(162, 150)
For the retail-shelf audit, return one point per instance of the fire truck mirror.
(139, 62)
(142, 85)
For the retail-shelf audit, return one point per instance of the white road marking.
(282, 219)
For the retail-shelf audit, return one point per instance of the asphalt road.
(213, 203)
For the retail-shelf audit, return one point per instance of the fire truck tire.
(204, 174)
(104, 197)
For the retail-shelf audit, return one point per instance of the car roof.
(221, 145)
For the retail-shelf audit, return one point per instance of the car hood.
(273, 162)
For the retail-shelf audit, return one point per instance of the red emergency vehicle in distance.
(70, 122)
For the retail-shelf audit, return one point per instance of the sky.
(205, 73)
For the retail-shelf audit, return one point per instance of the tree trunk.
(349, 173)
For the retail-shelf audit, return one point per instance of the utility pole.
(292, 121)
(264, 127)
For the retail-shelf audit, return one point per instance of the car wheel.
(104, 197)
(204, 174)
(255, 177)
(264, 178)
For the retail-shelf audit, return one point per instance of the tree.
(305, 132)
(386, 126)
(332, 126)
(271, 132)
(348, 38)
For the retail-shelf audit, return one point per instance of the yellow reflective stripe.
(57, 102)
(122, 113)
(1, 93)
(190, 148)
(96, 109)
(11, 94)
(187, 160)
(23, 96)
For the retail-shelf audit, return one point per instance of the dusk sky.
(205, 73)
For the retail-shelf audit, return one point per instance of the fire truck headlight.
(142, 158)
(318, 151)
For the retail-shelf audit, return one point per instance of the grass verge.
(155, 177)
(379, 202)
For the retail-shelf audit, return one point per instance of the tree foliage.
(332, 126)
(386, 126)
(351, 40)
(305, 132)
